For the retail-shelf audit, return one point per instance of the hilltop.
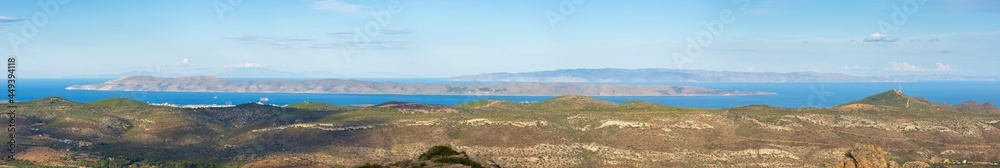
(213, 84)
(896, 99)
(318, 106)
(51, 101)
(972, 106)
(565, 131)
(118, 103)
(410, 107)
(573, 101)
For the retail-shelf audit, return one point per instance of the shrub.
(438, 151)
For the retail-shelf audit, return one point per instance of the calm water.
(789, 94)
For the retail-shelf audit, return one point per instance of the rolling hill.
(566, 131)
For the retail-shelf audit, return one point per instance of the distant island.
(612, 75)
(214, 84)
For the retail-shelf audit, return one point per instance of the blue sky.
(456, 37)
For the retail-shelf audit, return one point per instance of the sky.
(443, 38)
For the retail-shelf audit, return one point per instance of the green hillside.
(51, 101)
(118, 103)
(316, 106)
(895, 98)
(572, 102)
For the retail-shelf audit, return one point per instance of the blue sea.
(788, 94)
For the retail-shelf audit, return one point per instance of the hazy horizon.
(436, 39)
(249, 72)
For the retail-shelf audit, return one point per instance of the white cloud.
(944, 67)
(904, 66)
(879, 37)
(750, 69)
(336, 5)
(816, 69)
(890, 39)
(247, 65)
(856, 67)
(184, 62)
(5, 19)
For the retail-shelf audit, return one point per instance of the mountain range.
(214, 84)
(606, 75)
(249, 72)
(612, 75)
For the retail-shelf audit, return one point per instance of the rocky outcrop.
(972, 106)
(438, 156)
(866, 156)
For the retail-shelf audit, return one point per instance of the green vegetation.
(645, 106)
(474, 104)
(571, 102)
(438, 151)
(894, 98)
(51, 101)
(118, 103)
(315, 106)
(436, 156)
(444, 154)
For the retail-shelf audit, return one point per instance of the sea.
(789, 94)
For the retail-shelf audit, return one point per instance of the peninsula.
(612, 75)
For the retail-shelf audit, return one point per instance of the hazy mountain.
(682, 75)
(253, 72)
(129, 73)
(321, 74)
(257, 73)
(214, 84)
(382, 75)
(945, 77)
(248, 72)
